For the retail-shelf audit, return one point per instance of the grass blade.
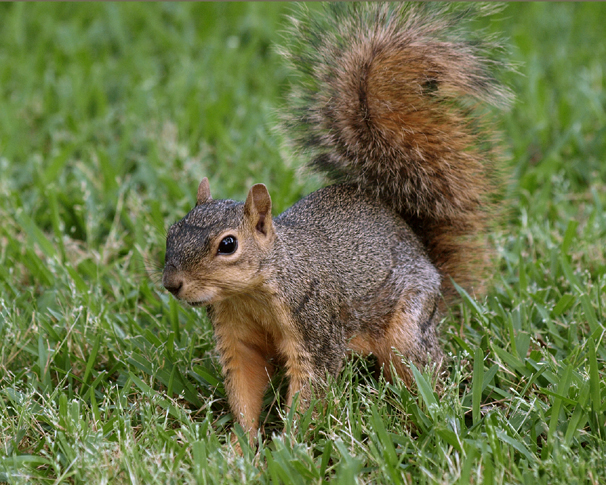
(425, 391)
(477, 384)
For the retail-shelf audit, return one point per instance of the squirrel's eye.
(228, 245)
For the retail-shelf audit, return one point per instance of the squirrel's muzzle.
(172, 280)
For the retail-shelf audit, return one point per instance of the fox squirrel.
(388, 111)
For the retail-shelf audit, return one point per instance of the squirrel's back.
(389, 102)
(338, 232)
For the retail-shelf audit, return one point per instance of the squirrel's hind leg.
(410, 335)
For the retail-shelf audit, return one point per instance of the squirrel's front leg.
(305, 368)
(247, 373)
(300, 379)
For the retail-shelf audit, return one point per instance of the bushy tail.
(390, 99)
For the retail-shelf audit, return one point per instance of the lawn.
(110, 115)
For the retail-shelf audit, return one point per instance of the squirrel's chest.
(262, 321)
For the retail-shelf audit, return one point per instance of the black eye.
(228, 245)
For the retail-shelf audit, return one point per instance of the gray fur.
(341, 260)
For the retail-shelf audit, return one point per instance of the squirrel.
(388, 109)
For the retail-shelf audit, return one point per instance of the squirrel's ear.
(203, 192)
(258, 208)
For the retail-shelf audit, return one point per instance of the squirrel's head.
(216, 250)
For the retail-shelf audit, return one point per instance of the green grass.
(110, 114)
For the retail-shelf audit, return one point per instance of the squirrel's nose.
(173, 282)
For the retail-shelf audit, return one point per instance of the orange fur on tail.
(391, 102)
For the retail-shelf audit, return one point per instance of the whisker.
(157, 227)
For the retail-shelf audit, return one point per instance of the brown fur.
(251, 334)
(361, 265)
(390, 104)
